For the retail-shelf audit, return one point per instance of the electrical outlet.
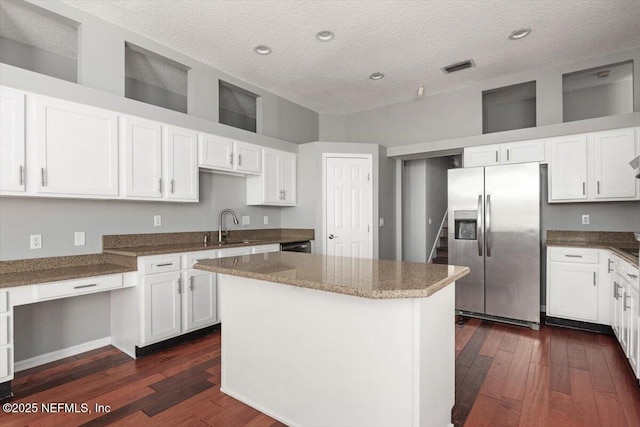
(266, 220)
(585, 219)
(246, 220)
(36, 241)
(157, 220)
(381, 222)
(79, 238)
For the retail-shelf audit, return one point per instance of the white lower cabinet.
(626, 310)
(199, 299)
(162, 308)
(578, 285)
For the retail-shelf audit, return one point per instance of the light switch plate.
(157, 220)
(266, 220)
(246, 220)
(79, 238)
(585, 219)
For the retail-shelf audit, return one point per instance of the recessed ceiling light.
(262, 50)
(376, 76)
(325, 36)
(518, 34)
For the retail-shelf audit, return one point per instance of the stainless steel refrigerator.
(494, 229)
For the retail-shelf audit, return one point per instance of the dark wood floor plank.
(509, 340)
(474, 344)
(560, 410)
(610, 410)
(493, 384)
(492, 343)
(535, 404)
(585, 413)
(541, 346)
(467, 392)
(576, 354)
(598, 368)
(483, 412)
(559, 356)
(516, 381)
(465, 332)
(508, 414)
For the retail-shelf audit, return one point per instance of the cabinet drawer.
(245, 250)
(163, 264)
(191, 259)
(575, 255)
(4, 302)
(78, 287)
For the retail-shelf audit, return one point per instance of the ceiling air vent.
(458, 66)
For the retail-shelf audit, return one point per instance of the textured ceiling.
(31, 25)
(407, 40)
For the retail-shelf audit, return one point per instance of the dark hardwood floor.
(505, 376)
(513, 376)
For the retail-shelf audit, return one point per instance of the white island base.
(314, 358)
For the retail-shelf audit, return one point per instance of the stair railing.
(437, 240)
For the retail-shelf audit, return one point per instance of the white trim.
(435, 243)
(21, 365)
(399, 188)
(325, 156)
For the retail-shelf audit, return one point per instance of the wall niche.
(598, 92)
(155, 79)
(38, 40)
(509, 108)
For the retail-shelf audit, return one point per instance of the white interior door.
(348, 207)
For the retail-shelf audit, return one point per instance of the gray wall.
(598, 101)
(387, 202)
(141, 91)
(308, 212)
(58, 219)
(509, 115)
(424, 198)
(458, 114)
(101, 65)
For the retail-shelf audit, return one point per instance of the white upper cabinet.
(181, 167)
(223, 154)
(141, 157)
(594, 167)
(504, 154)
(568, 168)
(277, 184)
(612, 152)
(485, 155)
(523, 151)
(12, 142)
(248, 158)
(215, 152)
(76, 148)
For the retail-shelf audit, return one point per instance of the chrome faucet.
(207, 238)
(220, 216)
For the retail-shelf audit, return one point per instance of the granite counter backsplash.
(618, 241)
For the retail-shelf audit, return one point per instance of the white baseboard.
(21, 365)
(258, 407)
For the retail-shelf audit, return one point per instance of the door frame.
(325, 157)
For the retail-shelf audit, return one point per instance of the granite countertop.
(368, 278)
(43, 270)
(136, 251)
(616, 241)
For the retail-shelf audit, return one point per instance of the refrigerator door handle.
(488, 223)
(479, 225)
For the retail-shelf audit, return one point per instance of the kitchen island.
(333, 341)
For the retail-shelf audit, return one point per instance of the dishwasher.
(304, 246)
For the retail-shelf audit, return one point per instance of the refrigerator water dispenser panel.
(466, 225)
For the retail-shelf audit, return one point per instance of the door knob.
(331, 236)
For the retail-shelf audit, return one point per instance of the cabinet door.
(568, 168)
(161, 306)
(616, 306)
(272, 189)
(612, 152)
(77, 148)
(573, 291)
(287, 178)
(200, 298)
(182, 164)
(6, 364)
(215, 152)
(141, 150)
(634, 329)
(248, 158)
(12, 120)
(486, 155)
(522, 152)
